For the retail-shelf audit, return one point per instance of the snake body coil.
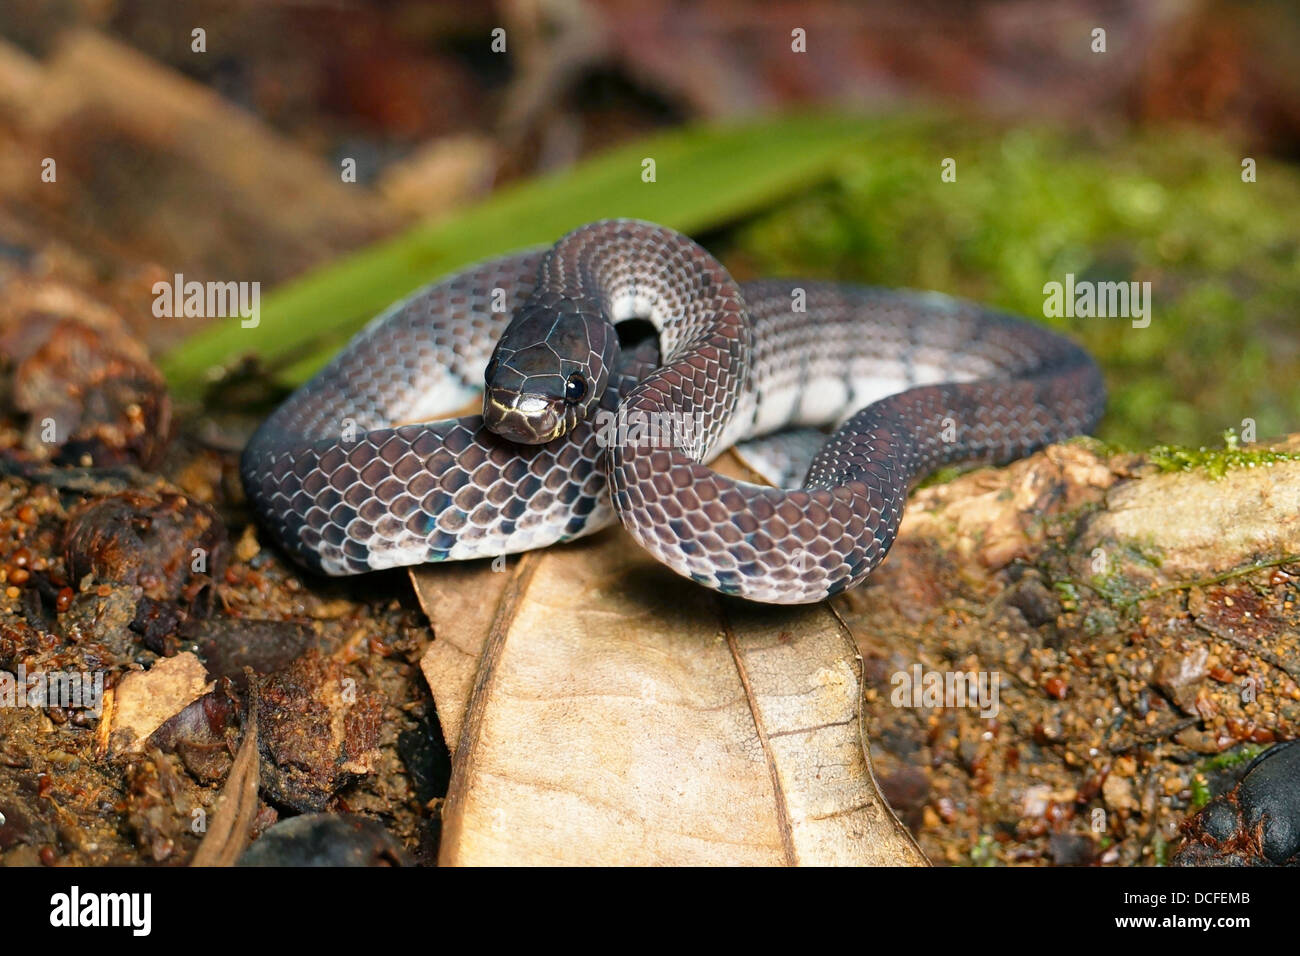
(913, 380)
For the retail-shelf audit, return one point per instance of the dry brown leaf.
(606, 711)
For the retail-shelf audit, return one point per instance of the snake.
(613, 368)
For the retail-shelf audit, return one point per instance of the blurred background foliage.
(1165, 207)
(224, 163)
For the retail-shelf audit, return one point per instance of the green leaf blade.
(704, 177)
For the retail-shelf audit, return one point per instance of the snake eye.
(575, 388)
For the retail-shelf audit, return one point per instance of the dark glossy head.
(548, 371)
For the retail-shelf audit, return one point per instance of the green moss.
(1029, 206)
(982, 853)
(941, 476)
(1232, 758)
(1216, 462)
(1159, 849)
(1200, 792)
(1114, 584)
(1068, 594)
(1235, 757)
(1102, 449)
(1099, 621)
(1118, 590)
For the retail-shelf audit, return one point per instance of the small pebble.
(248, 545)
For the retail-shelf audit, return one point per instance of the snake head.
(548, 371)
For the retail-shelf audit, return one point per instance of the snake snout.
(526, 417)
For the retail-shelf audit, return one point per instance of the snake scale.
(355, 471)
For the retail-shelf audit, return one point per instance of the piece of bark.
(320, 730)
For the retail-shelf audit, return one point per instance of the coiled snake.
(355, 473)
